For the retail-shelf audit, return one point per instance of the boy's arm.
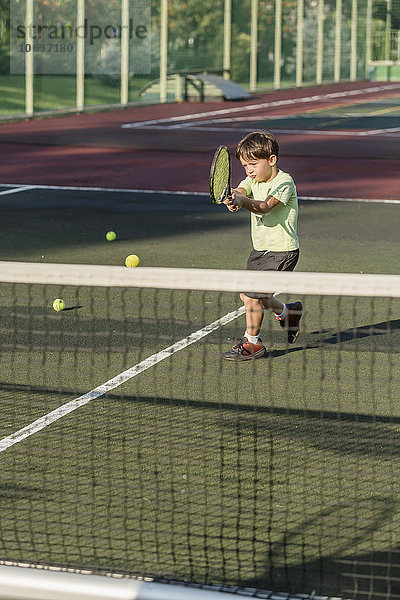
(259, 207)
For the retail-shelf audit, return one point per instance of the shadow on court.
(312, 541)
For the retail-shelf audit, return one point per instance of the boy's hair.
(258, 144)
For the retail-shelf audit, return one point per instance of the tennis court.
(277, 474)
(168, 147)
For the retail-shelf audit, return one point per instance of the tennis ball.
(111, 236)
(132, 260)
(58, 304)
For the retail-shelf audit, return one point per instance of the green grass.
(279, 473)
(54, 92)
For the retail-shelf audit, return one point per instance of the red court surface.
(169, 147)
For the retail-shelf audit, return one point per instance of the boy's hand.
(234, 202)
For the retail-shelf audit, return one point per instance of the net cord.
(313, 283)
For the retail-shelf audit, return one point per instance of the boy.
(269, 194)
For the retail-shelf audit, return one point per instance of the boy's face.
(260, 169)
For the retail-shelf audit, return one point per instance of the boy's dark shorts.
(270, 261)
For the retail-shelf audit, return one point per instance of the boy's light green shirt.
(276, 230)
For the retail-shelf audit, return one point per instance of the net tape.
(337, 284)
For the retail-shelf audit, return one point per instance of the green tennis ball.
(58, 304)
(132, 260)
(111, 236)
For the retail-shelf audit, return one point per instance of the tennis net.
(129, 446)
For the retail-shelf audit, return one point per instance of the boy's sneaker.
(245, 350)
(292, 320)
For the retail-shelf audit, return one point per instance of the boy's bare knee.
(250, 301)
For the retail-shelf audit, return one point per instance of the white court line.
(74, 188)
(16, 190)
(366, 200)
(268, 117)
(69, 407)
(388, 130)
(250, 107)
(185, 193)
(319, 132)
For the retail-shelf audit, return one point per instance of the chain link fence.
(69, 55)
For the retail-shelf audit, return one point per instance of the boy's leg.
(250, 345)
(254, 314)
(290, 322)
(288, 315)
(272, 303)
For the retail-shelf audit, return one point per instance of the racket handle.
(227, 192)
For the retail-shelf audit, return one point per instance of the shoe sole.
(241, 357)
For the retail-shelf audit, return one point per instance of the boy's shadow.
(339, 337)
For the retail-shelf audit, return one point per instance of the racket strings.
(221, 175)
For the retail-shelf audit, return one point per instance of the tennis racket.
(220, 175)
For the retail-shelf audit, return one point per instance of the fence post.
(29, 58)
(80, 56)
(320, 43)
(338, 41)
(388, 27)
(164, 51)
(278, 44)
(253, 45)
(227, 38)
(299, 43)
(368, 35)
(354, 27)
(124, 52)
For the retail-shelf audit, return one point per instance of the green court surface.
(365, 116)
(275, 473)
(187, 231)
